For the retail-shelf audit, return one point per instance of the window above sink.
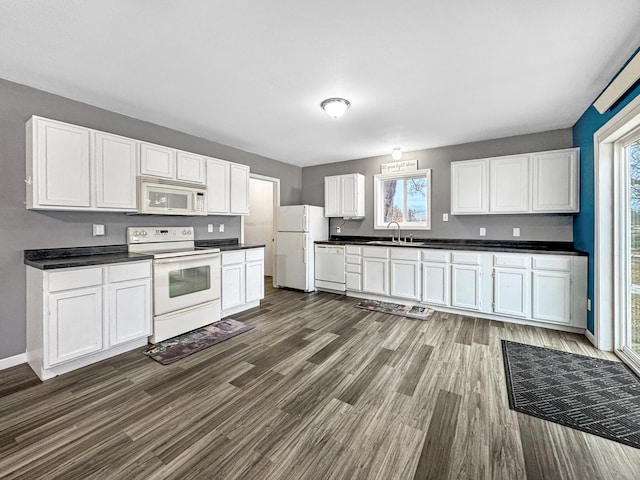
(404, 198)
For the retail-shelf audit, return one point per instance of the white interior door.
(259, 224)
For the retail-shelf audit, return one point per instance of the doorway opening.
(259, 226)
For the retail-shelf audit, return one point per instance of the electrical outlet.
(445, 217)
(338, 229)
(210, 227)
(588, 304)
(221, 228)
(516, 232)
(98, 230)
(483, 231)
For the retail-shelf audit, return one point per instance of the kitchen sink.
(389, 243)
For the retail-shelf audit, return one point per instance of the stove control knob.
(143, 233)
(136, 233)
(185, 232)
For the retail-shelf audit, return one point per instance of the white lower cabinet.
(375, 270)
(242, 274)
(78, 316)
(543, 289)
(75, 325)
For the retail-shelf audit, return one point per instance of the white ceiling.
(251, 74)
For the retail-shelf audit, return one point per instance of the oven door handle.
(182, 258)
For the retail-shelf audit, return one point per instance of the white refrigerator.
(298, 226)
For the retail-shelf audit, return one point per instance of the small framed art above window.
(404, 198)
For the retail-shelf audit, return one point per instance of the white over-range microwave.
(167, 197)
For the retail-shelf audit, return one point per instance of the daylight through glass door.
(631, 327)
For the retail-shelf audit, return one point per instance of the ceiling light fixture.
(335, 107)
(396, 154)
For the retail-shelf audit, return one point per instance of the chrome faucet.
(398, 231)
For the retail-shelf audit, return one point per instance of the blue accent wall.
(584, 222)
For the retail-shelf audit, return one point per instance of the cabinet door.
(233, 285)
(555, 181)
(75, 325)
(116, 168)
(218, 180)
(552, 297)
(129, 311)
(239, 189)
(332, 196)
(509, 184)
(469, 187)
(405, 279)
(254, 281)
(375, 275)
(62, 157)
(350, 192)
(190, 167)
(353, 281)
(511, 292)
(465, 287)
(157, 161)
(435, 283)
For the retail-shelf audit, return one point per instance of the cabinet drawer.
(465, 258)
(254, 254)
(129, 271)
(439, 256)
(350, 268)
(354, 259)
(353, 250)
(514, 261)
(375, 252)
(229, 258)
(552, 262)
(68, 279)
(405, 254)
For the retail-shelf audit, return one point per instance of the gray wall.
(23, 229)
(499, 227)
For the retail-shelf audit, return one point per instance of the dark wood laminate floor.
(318, 390)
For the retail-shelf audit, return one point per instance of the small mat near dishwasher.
(413, 311)
(176, 348)
(597, 396)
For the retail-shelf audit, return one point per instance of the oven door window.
(189, 280)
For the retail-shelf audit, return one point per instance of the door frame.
(276, 204)
(606, 220)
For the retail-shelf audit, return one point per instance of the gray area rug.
(596, 396)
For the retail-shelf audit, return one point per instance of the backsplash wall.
(22, 229)
(498, 227)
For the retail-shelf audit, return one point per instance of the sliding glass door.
(628, 328)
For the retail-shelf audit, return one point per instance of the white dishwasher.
(330, 268)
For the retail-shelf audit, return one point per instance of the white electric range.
(186, 279)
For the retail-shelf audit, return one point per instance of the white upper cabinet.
(543, 182)
(239, 204)
(509, 184)
(190, 167)
(469, 187)
(58, 165)
(76, 168)
(157, 161)
(116, 162)
(227, 188)
(344, 196)
(218, 180)
(555, 181)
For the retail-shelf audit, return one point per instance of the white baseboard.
(13, 361)
(590, 337)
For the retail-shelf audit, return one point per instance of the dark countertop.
(51, 258)
(564, 248)
(226, 244)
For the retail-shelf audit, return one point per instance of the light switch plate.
(338, 229)
(483, 231)
(516, 231)
(221, 228)
(445, 217)
(210, 227)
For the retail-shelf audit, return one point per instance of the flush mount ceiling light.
(396, 154)
(335, 107)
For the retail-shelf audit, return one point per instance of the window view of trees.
(633, 156)
(404, 200)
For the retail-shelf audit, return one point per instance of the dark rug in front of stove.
(601, 397)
